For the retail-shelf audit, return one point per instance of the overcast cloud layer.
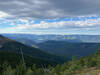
(52, 16)
(43, 9)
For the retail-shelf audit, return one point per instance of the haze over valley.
(49, 37)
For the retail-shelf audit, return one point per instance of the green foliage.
(13, 59)
(68, 68)
(9, 71)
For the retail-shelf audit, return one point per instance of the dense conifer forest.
(83, 66)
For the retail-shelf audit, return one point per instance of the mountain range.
(11, 46)
(60, 45)
(51, 52)
(67, 38)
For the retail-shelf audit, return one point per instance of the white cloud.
(61, 24)
(3, 14)
(29, 24)
(24, 20)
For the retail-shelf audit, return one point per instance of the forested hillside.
(60, 45)
(8, 45)
(84, 66)
(14, 59)
(67, 49)
(45, 63)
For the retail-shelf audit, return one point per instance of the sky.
(50, 16)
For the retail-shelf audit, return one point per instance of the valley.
(8, 45)
(52, 57)
(60, 45)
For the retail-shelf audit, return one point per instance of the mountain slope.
(13, 46)
(14, 59)
(69, 49)
(64, 45)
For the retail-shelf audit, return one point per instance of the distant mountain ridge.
(67, 38)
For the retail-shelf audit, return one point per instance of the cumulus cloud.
(3, 14)
(61, 24)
